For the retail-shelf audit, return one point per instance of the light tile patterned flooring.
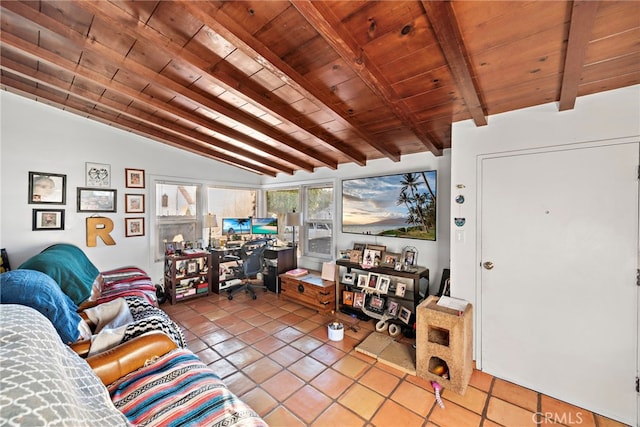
(277, 357)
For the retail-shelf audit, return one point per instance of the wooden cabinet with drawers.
(310, 291)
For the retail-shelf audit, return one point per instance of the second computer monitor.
(264, 225)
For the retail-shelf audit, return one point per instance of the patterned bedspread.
(180, 390)
(42, 381)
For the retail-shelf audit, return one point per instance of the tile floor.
(276, 356)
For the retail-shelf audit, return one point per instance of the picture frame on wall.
(134, 178)
(47, 188)
(97, 175)
(413, 218)
(47, 219)
(94, 200)
(134, 203)
(134, 227)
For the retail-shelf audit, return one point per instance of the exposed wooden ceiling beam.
(445, 27)
(109, 13)
(583, 13)
(224, 25)
(40, 54)
(190, 140)
(319, 15)
(20, 88)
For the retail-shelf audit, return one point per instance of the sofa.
(145, 376)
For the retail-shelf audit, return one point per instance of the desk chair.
(250, 266)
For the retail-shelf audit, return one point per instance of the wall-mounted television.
(236, 225)
(264, 225)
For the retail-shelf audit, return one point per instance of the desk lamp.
(294, 219)
(212, 222)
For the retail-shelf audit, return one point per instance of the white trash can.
(336, 331)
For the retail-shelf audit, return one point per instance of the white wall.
(37, 137)
(431, 254)
(604, 116)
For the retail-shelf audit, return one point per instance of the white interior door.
(559, 308)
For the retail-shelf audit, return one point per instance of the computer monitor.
(236, 226)
(264, 225)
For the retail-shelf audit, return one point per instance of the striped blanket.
(179, 390)
(127, 281)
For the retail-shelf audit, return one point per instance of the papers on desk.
(452, 303)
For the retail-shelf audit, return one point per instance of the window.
(318, 221)
(176, 214)
(279, 202)
(230, 203)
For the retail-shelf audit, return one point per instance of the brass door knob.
(488, 265)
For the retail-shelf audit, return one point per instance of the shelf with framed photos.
(379, 292)
(187, 276)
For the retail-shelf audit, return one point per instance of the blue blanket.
(37, 290)
(69, 267)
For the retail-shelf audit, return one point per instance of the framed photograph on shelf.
(362, 280)
(401, 288)
(409, 257)
(134, 178)
(47, 219)
(371, 257)
(192, 267)
(355, 256)
(169, 248)
(383, 284)
(390, 259)
(358, 299)
(393, 308)
(133, 227)
(92, 200)
(47, 188)
(347, 297)
(404, 315)
(376, 303)
(372, 280)
(134, 203)
(348, 278)
(97, 175)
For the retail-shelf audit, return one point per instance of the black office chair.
(250, 268)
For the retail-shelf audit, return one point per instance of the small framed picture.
(348, 278)
(134, 203)
(401, 288)
(409, 256)
(355, 256)
(372, 280)
(404, 315)
(347, 297)
(390, 259)
(376, 303)
(383, 284)
(134, 178)
(393, 308)
(133, 227)
(362, 280)
(169, 248)
(49, 188)
(379, 248)
(371, 257)
(192, 267)
(358, 299)
(97, 175)
(47, 219)
(344, 253)
(92, 200)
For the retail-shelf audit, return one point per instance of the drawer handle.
(301, 289)
(324, 293)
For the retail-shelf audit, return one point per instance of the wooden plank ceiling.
(280, 86)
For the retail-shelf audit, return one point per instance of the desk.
(279, 259)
